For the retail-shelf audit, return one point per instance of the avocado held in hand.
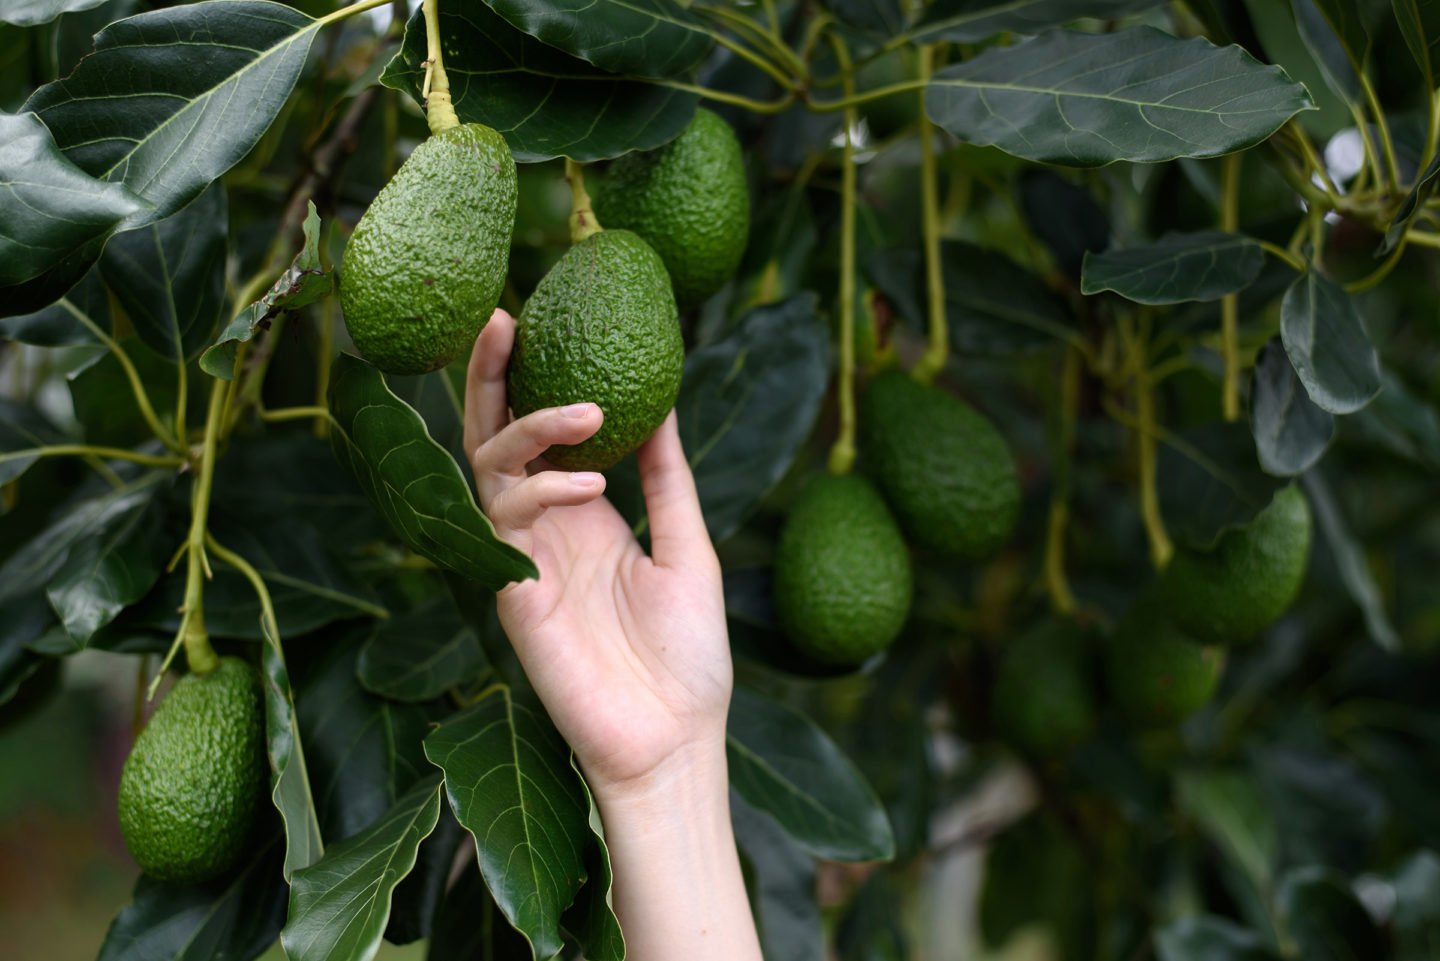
(425, 266)
(842, 573)
(190, 785)
(602, 328)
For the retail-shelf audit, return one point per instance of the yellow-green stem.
(132, 376)
(842, 453)
(582, 217)
(1432, 127)
(852, 99)
(86, 450)
(1367, 144)
(293, 413)
(439, 108)
(777, 105)
(938, 352)
(1230, 303)
(770, 38)
(1392, 167)
(1289, 256)
(350, 11)
(1161, 549)
(755, 60)
(257, 583)
(322, 365)
(1383, 271)
(198, 652)
(1423, 238)
(1312, 159)
(1057, 584)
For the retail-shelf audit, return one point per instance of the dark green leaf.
(32, 13)
(1402, 422)
(340, 904)
(364, 752)
(1091, 99)
(1326, 341)
(970, 21)
(747, 404)
(1065, 216)
(1422, 190)
(509, 780)
(414, 483)
(1416, 918)
(104, 399)
(782, 238)
(647, 38)
(305, 282)
(1350, 560)
(1324, 920)
(29, 299)
(1229, 811)
(172, 99)
(470, 927)
(784, 765)
(1035, 874)
(1210, 480)
(21, 429)
(546, 103)
(64, 321)
(592, 917)
(416, 656)
(236, 917)
(786, 910)
(416, 901)
(995, 306)
(1291, 433)
(170, 275)
(50, 207)
(1205, 265)
(289, 780)
(882, 18)
(1206, 938)
(1333, 32)
(1333, 812)
(1420, 26)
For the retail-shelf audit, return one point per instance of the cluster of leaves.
(1106, 292)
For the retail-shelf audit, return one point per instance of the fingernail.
(586, 479)
(576, 410)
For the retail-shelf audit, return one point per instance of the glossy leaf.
(32, 13)
(882, 18)
(1064, 216)
(992, 304)
(1324, 920)
(364, 751)
(1401, 421)
(1419, 22)
(50, 207)
(105, 404)
(1414, 202)
(1350, 560)
(1207, 938)
(21, 429)
(73, 317)
(509, 780)
(1091, 99)
(340, 904)
(592, 916)
(1291, 433)
(970, 21)
(1326, 341)
(416, 901)
(235, 917)
(1210, 480)
(1229, 811)
(289, 779)
(1335, 35)
(1205, 265)
(172, 99)
(413, 481)
(747, 404)
(305, 282)
(34, 296)
(418, 655)
(783, 895)
(546, 103)
(470, 927)
(785, 765)
(647, 38)
(170, 276)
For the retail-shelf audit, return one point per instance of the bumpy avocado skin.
(425, 266)
(944, 468)
(1043, 701)
(842, 573)
(689, 200)
(601, 327)
(1156, 673)
(1249, 580)
(190, 786)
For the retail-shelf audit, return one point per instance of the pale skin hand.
(629, 653)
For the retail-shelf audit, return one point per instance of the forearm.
(678, 888)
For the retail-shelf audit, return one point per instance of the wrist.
(691, 781)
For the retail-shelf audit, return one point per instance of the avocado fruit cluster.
(688, 200)
(1156, 673)
(1043, 701)
(843, 581)
(190, 787)
(425, 266)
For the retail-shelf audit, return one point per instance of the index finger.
(486, 404)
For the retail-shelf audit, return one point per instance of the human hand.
(628, 652)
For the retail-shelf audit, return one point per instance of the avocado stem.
(842, 452)
(582, 215)
(439, 108)
(1230, 303)
(933, 360)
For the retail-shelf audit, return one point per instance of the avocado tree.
(1059, 382)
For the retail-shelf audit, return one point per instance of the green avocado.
(425, 266)
(944, 468)
(1157, 674)
(189, 789)
(842, 573)
(688, 199)
(1250, 578)
(1043, 702)
(601, 327)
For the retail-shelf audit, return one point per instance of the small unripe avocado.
(944, 468)
(688, 199)
(601, 327)
(1231, 593)
(842, 573)
(190, 786)
(425, 266)
(1043, 701)
(1157, 674)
